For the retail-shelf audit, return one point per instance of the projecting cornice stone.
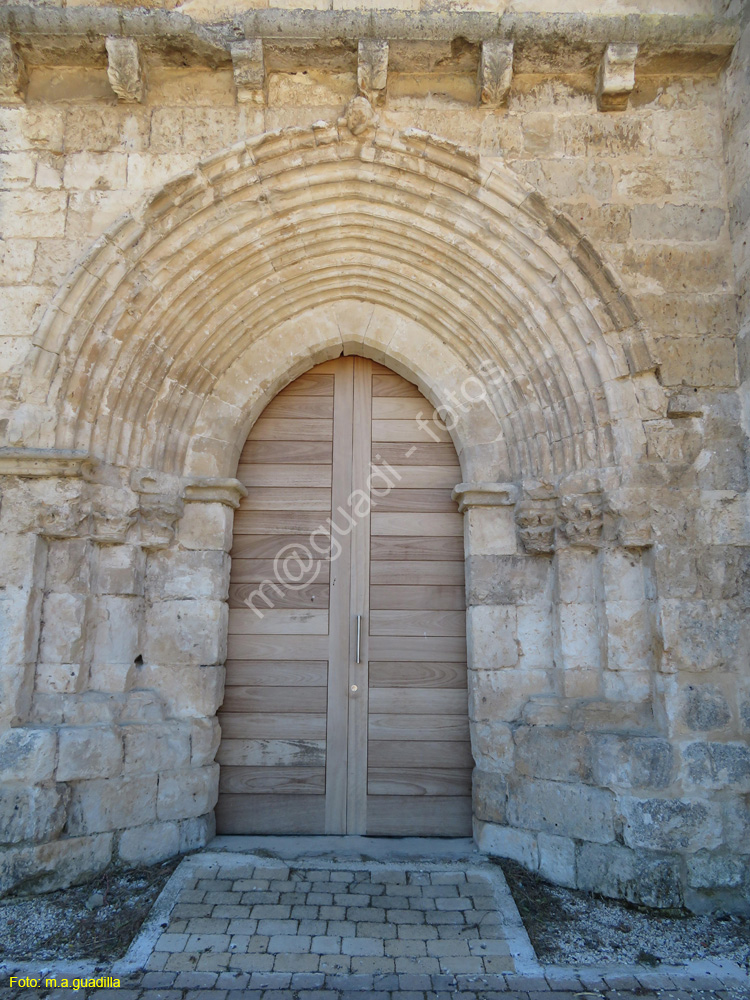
(372, 69)
(13, 78)
(616, 78)
(210, 490)
(124, 69)
(37, 462)
(495, 72)
(249, 71)
(469, 495)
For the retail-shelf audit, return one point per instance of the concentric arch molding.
(300, 245)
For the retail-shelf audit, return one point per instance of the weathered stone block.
(507, 580)
(489, 794)
(189, 632)
(641, 878)
(56, 865)
(579, 638)
(490, 531)
(118, 569)
(557, 859)
(702, 635)
(500, 695)
(492, 746)
(713, 870)
(671, 824)
(112, 804)
(631, 761)
(31, 812)
(196, 832)
(27, 755)
(59, 678)
(89, 752)
(535, 636)
(205, 736)
(492, 637)
(544, 752)
(676, 222)
(187, 692)
(19, 627)
(185, 794)
(63, 628)
(506, 842)
(145, 845)
(103, 171)
(206, 526)
(717, 765)
(150, 748)
(198, 575)
(115, 628)
(562, 809)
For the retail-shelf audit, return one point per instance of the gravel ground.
(59, 925)
(569, 927)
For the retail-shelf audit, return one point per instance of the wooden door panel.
(312, 740)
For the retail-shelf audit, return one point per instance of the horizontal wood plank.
(309, 596)
(418, 781)
(249, 698)
(296, 406)
(298, 570)
(288, 453)
(274, 647)
(283, 476)
(417, 675)
(286, 498)
(401, 408)
(418, 727)
(417, 547)
(418, 701)
(433, 501)
(276, 429)
(408, 572)
(270, 780)
(436, 598)
(276, 673)
(425, 816)
(448, 649)
(419, 753)
(266, 546)
(278, 621)
(312, 384)
(286, 522)
(422, 429)
(261, 753)
(424, 623)
(393, 385)
(270, 814)
(258, 726)
(419, 477)
(414, 454)
(431, 525)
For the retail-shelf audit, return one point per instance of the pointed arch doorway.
(345, 706)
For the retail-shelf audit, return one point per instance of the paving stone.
(334, 964)
(269, 927)
(296, 963)
(405, 917)
(418, 965)
(375, 965)
(289, 943)
(417, 932)
(307, 980)
(195, 980)
(270, 980)
(361, 946)
(171, 942)
(401, 948)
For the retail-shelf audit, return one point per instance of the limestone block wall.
(610, 697)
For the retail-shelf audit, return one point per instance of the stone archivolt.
(218, 269)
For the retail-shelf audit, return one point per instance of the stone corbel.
(495, 72)
(581, 518)
(249, 71)
(616, 77)
(159, 507)
(372, 69)
(210, 490)
(125, 69)
(468, 495)
(13, 76)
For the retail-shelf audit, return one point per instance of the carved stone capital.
(495, 72)
(124, 69)
(249, 71)
(484, 495)
(631, 515)
(536, 525)
(157, 520)
(581, 518)
(210, 490)
(13, 76)
(358, 116)
(372, 69)
(616, 77)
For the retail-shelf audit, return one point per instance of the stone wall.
(610, 701)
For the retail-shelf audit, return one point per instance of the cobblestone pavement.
(234, 927)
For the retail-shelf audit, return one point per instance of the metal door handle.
(359, 635)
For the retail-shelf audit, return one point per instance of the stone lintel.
(40, 462)
(249, 71)
(372, 69)
(211, 490)
(616, 78)
(13, 77)
(124, 69)
(469, 495)
(495, 72)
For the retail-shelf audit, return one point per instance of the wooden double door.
(346, 691)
